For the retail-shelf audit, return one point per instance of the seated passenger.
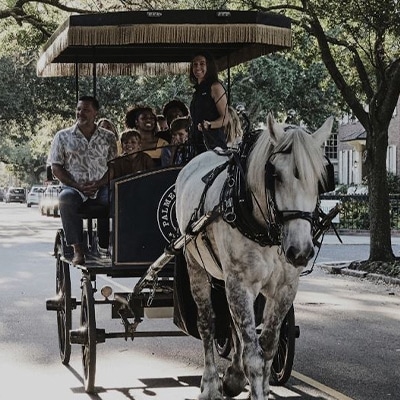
(144, 120)
(233, 129)
(179, 152)
(107, 124)
(161, 124)
(132, 159)
(79, 158)
(172, 110)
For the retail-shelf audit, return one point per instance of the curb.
(342, 269)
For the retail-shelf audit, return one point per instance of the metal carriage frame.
(148, 42)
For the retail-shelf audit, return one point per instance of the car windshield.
(17, 191)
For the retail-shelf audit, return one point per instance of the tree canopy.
(33, 109)
(357, 42)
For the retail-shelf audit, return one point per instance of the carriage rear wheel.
(223, 346)
(88, 326)
(282, 364)
(64, 312)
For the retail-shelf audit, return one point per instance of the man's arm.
(64, 176)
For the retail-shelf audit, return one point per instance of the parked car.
(2, 193)
(34, 195)
(15, 194)
(48, 204)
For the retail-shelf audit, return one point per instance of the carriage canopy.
(154, 42)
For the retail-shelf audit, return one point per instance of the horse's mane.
(307, 161)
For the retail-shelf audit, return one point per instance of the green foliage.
(393, 182)
(354, 213)
(278, 82)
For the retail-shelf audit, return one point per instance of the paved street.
(348, 348)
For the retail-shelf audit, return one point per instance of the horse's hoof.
(216, 396)
(231, 391)
(233, 383)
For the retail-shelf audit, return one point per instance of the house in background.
(351, 149)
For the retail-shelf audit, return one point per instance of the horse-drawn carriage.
(153, 226)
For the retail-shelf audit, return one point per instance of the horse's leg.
(241, 304)
(274, 313)
(201, 291)
(234, 380)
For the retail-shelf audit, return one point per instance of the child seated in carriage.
(177, 154)
(132, 158)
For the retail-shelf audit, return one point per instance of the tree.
(280, 82)
(358, 43)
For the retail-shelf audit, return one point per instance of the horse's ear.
(322, 134)
(275, 130)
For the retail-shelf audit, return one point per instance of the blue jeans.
(70, 203)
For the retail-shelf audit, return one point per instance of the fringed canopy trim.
(248, 41)
(160, 33)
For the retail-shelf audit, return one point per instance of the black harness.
(236, 201)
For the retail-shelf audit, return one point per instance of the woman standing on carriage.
(209, 105)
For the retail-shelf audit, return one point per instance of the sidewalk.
(342, 267)
(331, 238)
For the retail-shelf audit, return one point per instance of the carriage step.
(296, 331)
(57, 303)
(80, 336)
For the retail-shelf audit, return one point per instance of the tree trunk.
(379, 206)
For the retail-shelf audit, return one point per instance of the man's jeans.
(70, 202)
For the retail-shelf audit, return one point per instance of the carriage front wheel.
(282, 364)
(88, 327)
(64, 311)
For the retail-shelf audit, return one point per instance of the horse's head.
(295, 169)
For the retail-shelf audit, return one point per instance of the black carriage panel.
(144, 220)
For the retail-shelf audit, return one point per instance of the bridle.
(282, 215)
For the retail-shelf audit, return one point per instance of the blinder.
(323, 187)
(270, 176)
(330, 179)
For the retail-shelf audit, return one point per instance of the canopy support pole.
(229, 80)
(94, 80)
(77, 81)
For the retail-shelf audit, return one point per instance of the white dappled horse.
(284, 168)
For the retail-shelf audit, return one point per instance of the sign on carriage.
(166, 216)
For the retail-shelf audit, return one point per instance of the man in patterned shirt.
(79, 156)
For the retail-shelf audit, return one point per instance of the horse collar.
(237, 206)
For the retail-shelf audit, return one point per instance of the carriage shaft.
(195, 228)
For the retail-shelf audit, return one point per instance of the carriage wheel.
(223, 346)
(282, 364)
(88, 326)
(64, 313)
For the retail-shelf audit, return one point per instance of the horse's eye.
(296, 173)
(278, 177)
